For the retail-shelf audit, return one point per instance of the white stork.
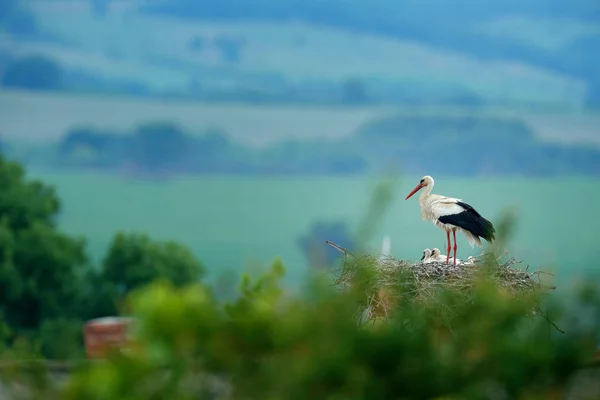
(426, 256)
(436, 255)
(452, 214)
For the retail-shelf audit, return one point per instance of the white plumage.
(426, 256)
(436, 255)
(451, 215)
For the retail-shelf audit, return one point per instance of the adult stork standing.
(452, 214)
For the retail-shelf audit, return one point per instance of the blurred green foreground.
(266, 343)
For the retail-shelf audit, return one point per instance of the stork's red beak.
(415, 190)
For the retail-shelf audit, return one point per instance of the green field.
(240, 223)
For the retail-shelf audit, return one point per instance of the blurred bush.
(270, 345)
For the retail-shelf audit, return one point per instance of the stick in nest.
(338, 248)
(422, 281)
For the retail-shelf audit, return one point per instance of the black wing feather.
(471, 221)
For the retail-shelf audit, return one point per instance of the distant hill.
(345, 51)
(552, 34)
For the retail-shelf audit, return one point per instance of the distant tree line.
(40, 72)
(163, 148)
(463, 146)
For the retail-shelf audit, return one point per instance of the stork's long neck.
(425, 192)
(424, 203)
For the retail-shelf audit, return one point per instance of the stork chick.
(426, 256)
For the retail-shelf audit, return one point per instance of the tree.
(85, 146)
(134, 260)
(100, 297)
(33, 72)
(21, 201)
(39, 265)
(159, 146)
(46, 286)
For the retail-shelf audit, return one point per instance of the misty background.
(253, 129)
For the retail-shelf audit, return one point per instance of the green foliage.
(47, 287)
(41, 203)
(269, 344)
(62, 338)
(134, 259)
(44, 275)
(100, 297)
(39, 266)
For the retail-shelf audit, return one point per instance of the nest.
(419, 281)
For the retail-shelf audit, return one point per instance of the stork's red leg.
(455, 246)
(448, 248)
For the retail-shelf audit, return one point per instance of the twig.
(544, 272)
(502, 255)
(550, 322)
(338, 248)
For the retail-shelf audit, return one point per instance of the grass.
(233, 223)
(122, 43)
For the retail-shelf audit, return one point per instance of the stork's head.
(435, 252)
(426, 254)
(425, 181)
